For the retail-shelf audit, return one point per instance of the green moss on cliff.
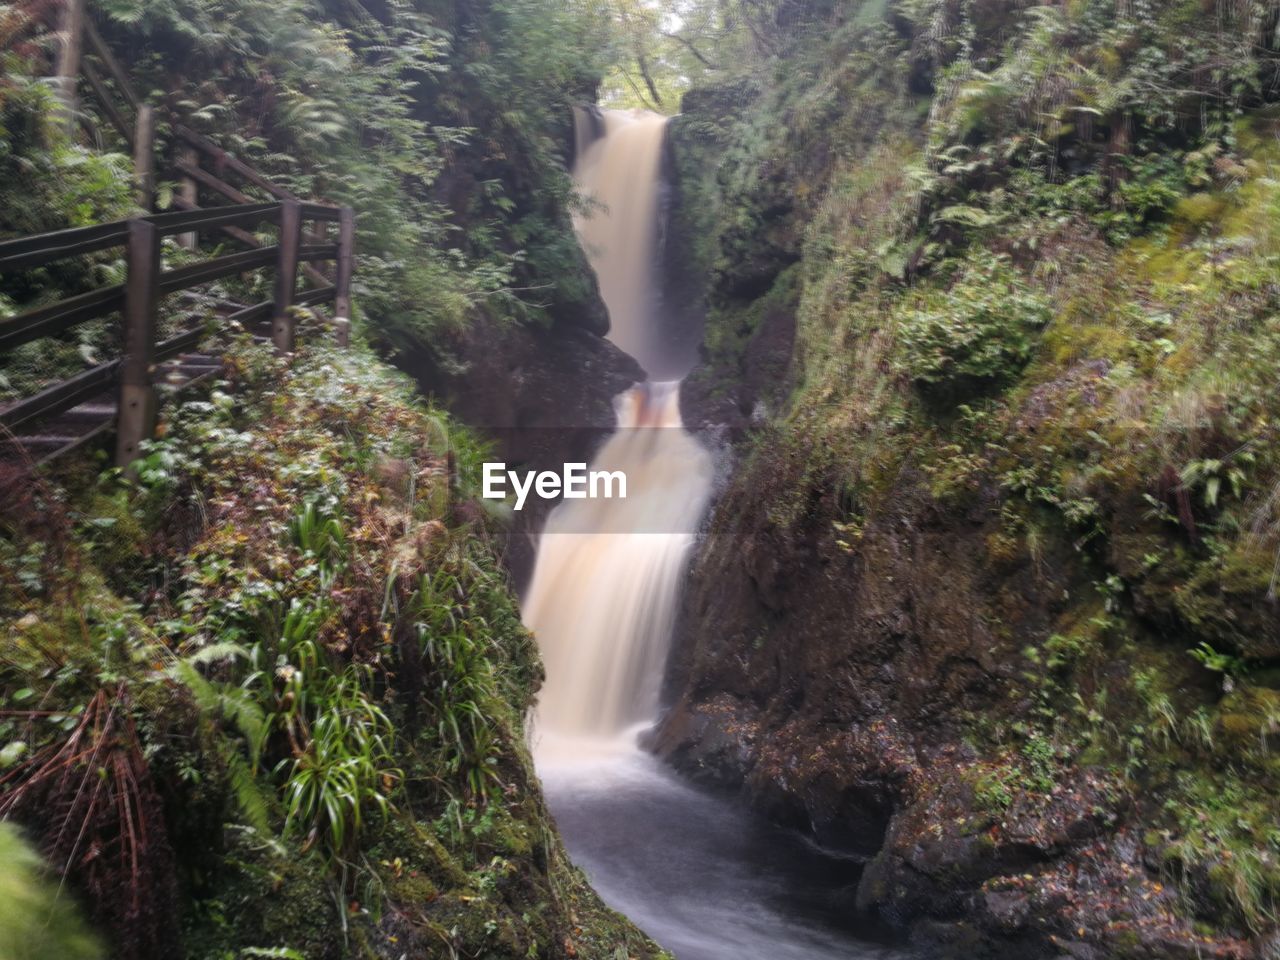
(1037, 326)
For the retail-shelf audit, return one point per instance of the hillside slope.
(269, 700)
(990, 600)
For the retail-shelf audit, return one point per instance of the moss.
(1226, 601)
(466, 826)
(1249, 720)
(1199, 209)
(412, 888)
(1004, 548)
(265, 897)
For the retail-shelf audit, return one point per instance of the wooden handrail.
(104, 101)
(192, 275)
(103, 53)
(34, 251)
(26, 252)
(207, 146)
(60, 397)
(137, 299)
(54, 318)
(207, 179)
(209, 218)
(141, 138)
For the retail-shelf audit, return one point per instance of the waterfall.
(602, 599)
(700, 875)
(618, 173)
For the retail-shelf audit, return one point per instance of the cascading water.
(605, 644)
(702, 877)
(602, 598)
(618, 173)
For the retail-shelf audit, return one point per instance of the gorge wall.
(970, 313)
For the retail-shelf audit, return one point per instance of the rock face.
(543, 396)
(832, 687)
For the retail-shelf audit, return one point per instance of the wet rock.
(544, 397)
(710, 743)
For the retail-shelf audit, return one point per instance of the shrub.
(979, 333)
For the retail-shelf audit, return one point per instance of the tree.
(661, 49)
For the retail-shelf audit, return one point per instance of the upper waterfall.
(618, 173)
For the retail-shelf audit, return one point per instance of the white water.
(602, 599)
(703, 877)
(618, 173)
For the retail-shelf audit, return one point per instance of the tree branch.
(688, 45)
(648, 80)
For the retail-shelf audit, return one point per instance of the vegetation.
(445, 127)
(269, 696)
(264, 696)
(37, 923)
(1032, 269)
(1014, 267)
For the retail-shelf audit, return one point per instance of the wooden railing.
(137, 299)
(83, 55)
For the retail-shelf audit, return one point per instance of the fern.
(250, 799)
(229, 702)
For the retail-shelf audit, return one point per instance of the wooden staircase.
(124, 394)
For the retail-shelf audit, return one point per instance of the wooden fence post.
(144, 157)
(188, 192)
(70, 47)
(342, 275)
(137, 411)
(282, 325)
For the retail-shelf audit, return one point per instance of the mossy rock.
(1228, 602)
(267, 897)
(1249, 720)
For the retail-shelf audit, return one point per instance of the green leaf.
(12, 753)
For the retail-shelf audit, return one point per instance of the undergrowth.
(269, 695)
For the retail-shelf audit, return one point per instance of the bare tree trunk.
(648, 80)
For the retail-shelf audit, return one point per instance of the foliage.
(444, 128)
(979, 331)
(37, 922)
(48, 182)
(1030, 258)
(332, 665)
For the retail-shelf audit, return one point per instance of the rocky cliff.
(988, 601)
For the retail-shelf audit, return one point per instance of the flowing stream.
(698, 873)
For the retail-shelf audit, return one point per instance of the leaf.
(250, 799)
(963, 215)
(12, 753)
(1211, 487)
(218, 651)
